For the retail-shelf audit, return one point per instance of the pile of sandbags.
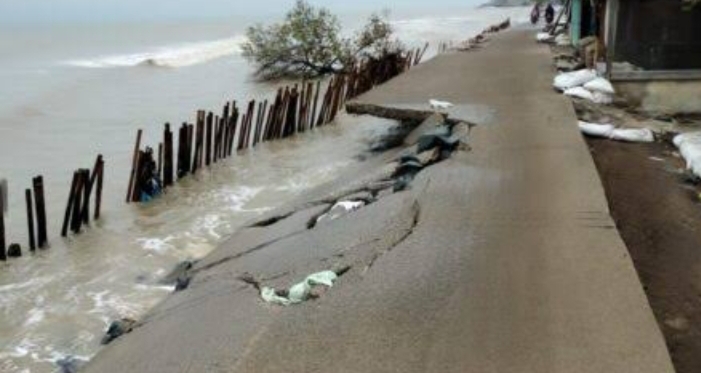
(585, 84)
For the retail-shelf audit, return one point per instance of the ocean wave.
(175, 56)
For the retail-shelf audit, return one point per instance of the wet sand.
(658, 214)
(501, 258)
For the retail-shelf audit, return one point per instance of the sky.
(58, 11)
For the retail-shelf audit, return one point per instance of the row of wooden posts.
(77, 210)
(36, 218)
(215, 136)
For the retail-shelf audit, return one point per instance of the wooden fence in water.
(212, 138)
(215, 136)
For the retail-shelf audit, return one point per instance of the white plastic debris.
(339, 209)
(299, 292)
(608, 131)
(438, 105)
(544, 37)
(573, 79)
(689, 145)
(563, 39)
(600, 85)
(579, 92)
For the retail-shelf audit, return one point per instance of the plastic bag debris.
(299, 292)
(544, 37)
(573, 79)
(580, 93)
(600, 85)
(689, 145)
(339, 209)
(438, 105)
(621, 134)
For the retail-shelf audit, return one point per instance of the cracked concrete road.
(501, 259)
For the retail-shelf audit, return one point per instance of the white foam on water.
(158, 245)
(171, 56)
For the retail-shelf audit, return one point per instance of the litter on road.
(299, 292)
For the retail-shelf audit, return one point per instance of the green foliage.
(309, 43)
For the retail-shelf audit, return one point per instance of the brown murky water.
(59, 301)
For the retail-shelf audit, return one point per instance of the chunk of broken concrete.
(426, 126)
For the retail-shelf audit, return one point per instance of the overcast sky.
(32, 11)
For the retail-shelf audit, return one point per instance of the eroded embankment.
(345, 227)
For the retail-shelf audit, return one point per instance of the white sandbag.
(596, 129)
(600, 85)
(601, 98)
(544, 37)
(689, 145)
(608, 131)
(632, 135)
(573, 79)
(579, 92)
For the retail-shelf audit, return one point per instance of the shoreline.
(464, 270)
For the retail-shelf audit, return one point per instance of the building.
(652, 48)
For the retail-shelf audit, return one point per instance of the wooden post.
(76, 220)
(90, 183)
(69, 205)
(182, 138)
(249, 122)
(30, 219)
(40, 204)
(220, 139)
(282, 119)
(312, 121)
(225, 132)
(100, 174)
(87, 190)
(217, 144)
(160, 161)
(190, 141)
(208, 138)
(323, 112)
(233, 123)
(134, 162)
(168, 156)
(3, 247)
(200, 136)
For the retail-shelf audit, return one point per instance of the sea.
(78, 78)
